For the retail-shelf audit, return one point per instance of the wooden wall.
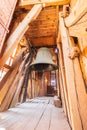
(72, 60)
(73, 64)
(7, 8)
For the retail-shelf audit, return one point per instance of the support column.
(70, 79)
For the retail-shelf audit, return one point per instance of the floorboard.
(36, 114)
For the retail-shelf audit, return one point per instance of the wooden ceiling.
(42, 31)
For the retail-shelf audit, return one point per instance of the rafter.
(16, 36)
(44, 2)
(77, 12)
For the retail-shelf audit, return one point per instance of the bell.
(43, 61)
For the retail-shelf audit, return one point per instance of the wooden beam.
(5, 19)
(17, 60)
(70, 80)
(59, 37)
(80, 89)
(64, 87)
(7, 66)
(16, 36)
(18, 90)
(77, 12)
(44, 2)
(7, 84)
(80, 28)
(22, 74)
(6, 94)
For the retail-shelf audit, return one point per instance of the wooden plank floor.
(35, 114)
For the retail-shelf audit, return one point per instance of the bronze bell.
(43, 61)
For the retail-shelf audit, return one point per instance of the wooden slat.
(6, 12)
(39, 114)
(45, 26)
(80, 90)
(80, 28)
(7, 84)
(77, 12)
(8, 52)
(17, 60)
(12, 87)
(70, 80)
(39, 41)
(82, 95)
(45, 2)
(64, 87)
(78, 31)
(17, 92)
(43, 32)
(16, 36)
(72, 3)
(19, 80)
(58, 121)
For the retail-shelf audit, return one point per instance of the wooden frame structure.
(71, 40)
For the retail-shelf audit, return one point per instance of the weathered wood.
(80, 90)
(45, 3)
(77, 12)
(59, 37)
(83, 60)
(6, 12)
(57, 102)
(9, 51)
(72, 3)
(16, 36)
(7, 84)
(7, 66)
(64, 87)
(62, 93)
(26, 80)
(17, 93)
(8, 97)
(22, 71)
(17, 60)
(70, 80)
(43, 30)
(80, 28)
(65, 12)
(37, 113)
(48, 40)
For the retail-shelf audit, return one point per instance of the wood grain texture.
(44, 2)
(38, 114)
(70, 80)
(44, 29)
(18, 33)
(6, 12)
(77, 12)
(80, 28)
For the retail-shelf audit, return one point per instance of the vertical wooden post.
(80, 89)
(64, 87)
(26, 84)
(70, 79)
(27, 76)
(31, 84)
